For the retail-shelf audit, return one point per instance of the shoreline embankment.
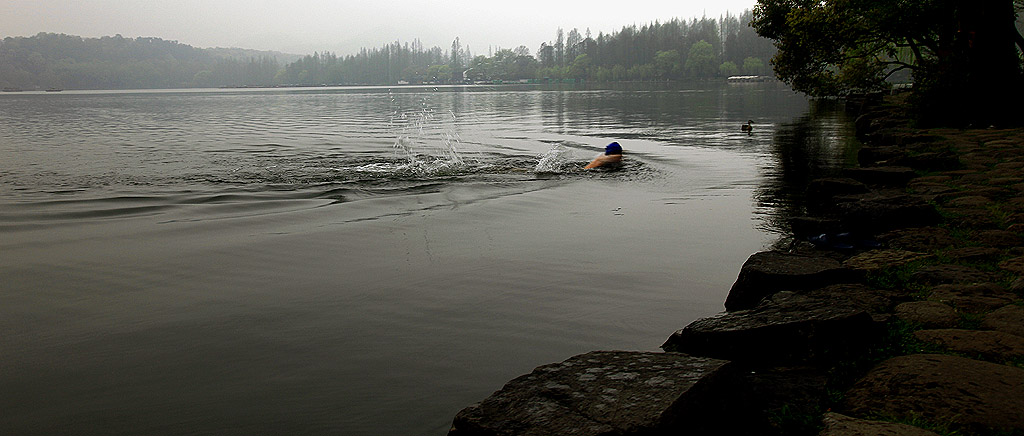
(896, 308)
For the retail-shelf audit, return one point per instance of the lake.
(367, 261)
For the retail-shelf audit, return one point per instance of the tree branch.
(901, 68)
(1018, 39)
(916, 50)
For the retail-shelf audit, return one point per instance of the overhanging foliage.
(963, 55)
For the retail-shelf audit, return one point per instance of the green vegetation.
(674, 50)
(964, 56)
(897, 277)
(797, 420)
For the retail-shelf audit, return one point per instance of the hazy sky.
(304, 26)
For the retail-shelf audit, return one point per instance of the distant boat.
(54, 89)
(12, 89)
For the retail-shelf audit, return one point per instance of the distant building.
(746, 79)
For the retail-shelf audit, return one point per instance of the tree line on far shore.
(674, 50)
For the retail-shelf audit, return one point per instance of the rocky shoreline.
(897, 308)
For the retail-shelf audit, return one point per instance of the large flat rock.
(979, 395)
(875, 260)
(993, 345)
(788, 327)
(974, 254)
(874, 301)
(978, 297)
(606, 393)
(1008, 319)
(998, 238)
(928, 314)
(919, 239)
(768, 272)
(842, 425)
(958, 274)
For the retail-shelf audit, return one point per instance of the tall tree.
(456, 61)
(572, 44)
(560, 47)
(546, 55)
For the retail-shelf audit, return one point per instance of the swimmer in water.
(612, 157)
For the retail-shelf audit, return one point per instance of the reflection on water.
(812, 146)
(366, 261)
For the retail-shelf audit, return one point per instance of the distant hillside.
(50, 60)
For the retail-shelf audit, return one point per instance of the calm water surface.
(365, 261)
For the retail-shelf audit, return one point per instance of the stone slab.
(998, 238)
(928, 314)
(979, 395)
(603, 393)
(787, 328)
(993, 345)
(842, 425)
(918, 239)
(974, 298)
(874, 260)
(952, 274)
(768, 272)
(1014, 265)
(1007, 319)
(974, 254)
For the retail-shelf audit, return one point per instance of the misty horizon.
(308, 26)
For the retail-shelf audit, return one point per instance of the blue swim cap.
(613, 148)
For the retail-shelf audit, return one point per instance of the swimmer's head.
(613, 148)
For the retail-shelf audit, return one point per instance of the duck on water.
(748, 127)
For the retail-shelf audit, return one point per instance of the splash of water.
(556, 160)
(428, 144)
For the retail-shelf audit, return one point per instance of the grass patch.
(897, 277)
(1000, 216)
(897, 339)
(945, 214)
(900, 341)
(1016, 361)
(791, 420)
(964, 237)
(971, 321)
